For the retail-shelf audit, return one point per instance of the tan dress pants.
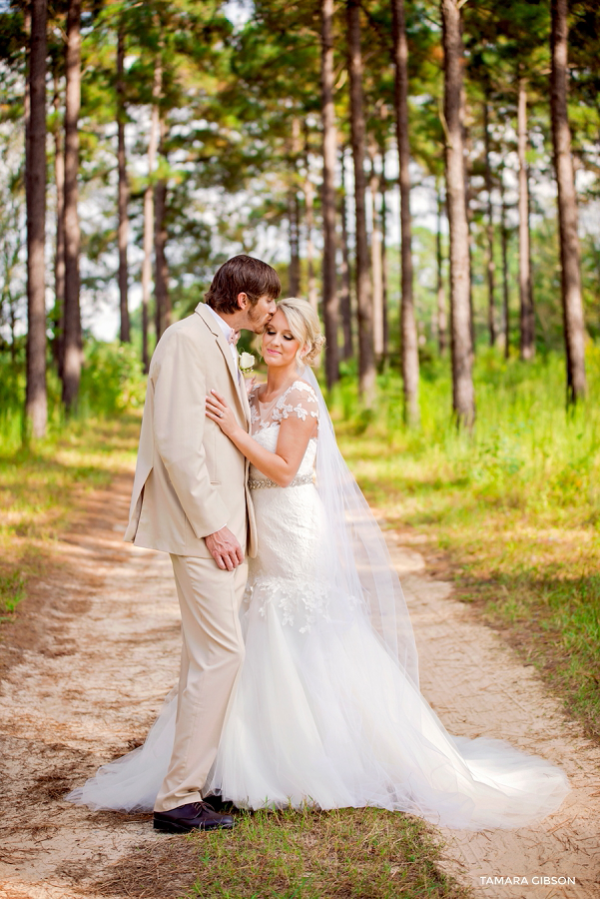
(211, 658)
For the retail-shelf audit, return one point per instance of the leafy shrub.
(112, 379)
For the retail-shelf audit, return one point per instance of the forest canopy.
(424, 172)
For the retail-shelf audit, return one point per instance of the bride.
(327, 709)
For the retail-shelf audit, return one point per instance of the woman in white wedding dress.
(327, 710)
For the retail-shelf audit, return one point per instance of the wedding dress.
(327, 710)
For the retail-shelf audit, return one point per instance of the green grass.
(40, 486)
(515, 506)
(354, 854)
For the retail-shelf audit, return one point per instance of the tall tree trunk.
(442, 318)
(72, 331)
(149, 212)
(330, 298)
(294, 242)
(463, 395)
(35, 399)
(409, 345)
(567, 210)
(161, 268)
(469, 213)
(366, 362)
(376, 270)
(345, 294)
(527, 320)
(383, 185)
(308, 191)
(505, 289)
(490, 227)
(59, 255)
(123, 192)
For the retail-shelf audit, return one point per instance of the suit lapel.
(224, 347)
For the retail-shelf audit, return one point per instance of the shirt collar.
(227, 331)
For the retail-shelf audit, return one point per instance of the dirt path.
(477, 685)
(104, 649)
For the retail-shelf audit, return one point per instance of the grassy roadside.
(347, 853)
(39, 490)
(515, 507)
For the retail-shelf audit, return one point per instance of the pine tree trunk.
(469, 213)
(123, 193)
(383, 185)
(59, 254)
(409, 346)
(149, 213)
(376, 270)
(460, 336)
(308, 191)
(505, 289)
(490, 228)
(161, 267)
(366, 362)
(72, 330)
(574, 326)
(442, 317)
(330, 298)
(35, 398)
(345, 293)
(527, 320)
(294, 241)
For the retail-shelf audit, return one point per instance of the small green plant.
(12, 591)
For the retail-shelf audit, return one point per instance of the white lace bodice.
(298, 400)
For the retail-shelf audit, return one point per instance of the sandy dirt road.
(102, 652)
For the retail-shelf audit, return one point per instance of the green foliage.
(112, 379)
(516, 505)
(12, 591)
(359, 853)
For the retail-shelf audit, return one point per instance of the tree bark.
(149, 212)
(345, 294)
(505, 289)
(294, 241)
(442, 318)
(527, 319)
(366, 362)
(330, 298)
(59, 254)
(376, 269)
(35, 398)
(123, 193)
(409, 345)
(469, 213)
(490, 228)
(72, 331)
(383, 184)
(308, 191)
(161, 268)
(463, 396)
(574, 326)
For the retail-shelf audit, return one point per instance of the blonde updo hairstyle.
(305, 326)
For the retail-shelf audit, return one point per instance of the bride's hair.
(304, 325)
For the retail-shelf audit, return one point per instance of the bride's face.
(279, 346)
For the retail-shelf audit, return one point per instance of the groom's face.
(260, 314)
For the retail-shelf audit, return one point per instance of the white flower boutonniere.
(247, 361)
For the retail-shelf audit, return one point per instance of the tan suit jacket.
(190, 479)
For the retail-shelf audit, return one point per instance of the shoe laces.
(203, 807)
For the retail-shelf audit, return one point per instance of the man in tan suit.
(191, 499)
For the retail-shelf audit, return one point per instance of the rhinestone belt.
(255, 484)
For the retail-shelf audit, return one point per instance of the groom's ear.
(242, 300)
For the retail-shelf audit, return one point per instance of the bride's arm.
(294, 434)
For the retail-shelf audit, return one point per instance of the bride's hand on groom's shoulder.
(218, 411)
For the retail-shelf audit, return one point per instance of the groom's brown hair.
(242, 274)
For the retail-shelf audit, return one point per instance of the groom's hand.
(225, 549)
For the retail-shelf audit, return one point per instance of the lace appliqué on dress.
(298, 399)
(301, 604)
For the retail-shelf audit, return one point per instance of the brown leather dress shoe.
(192, 816)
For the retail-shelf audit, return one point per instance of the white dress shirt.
(228, 332)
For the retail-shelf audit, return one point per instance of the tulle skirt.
(323, 715)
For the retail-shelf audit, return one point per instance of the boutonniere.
(247, 361)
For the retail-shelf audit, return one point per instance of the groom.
(190, 499)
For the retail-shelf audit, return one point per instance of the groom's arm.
(179, 424)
